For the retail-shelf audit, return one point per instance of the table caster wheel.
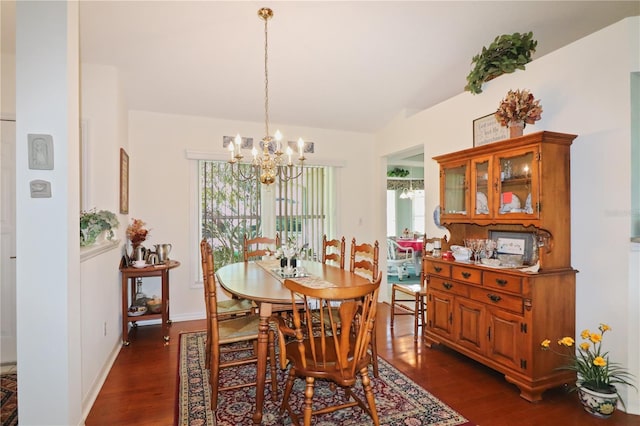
(125, 343)
(169, 321)
(134, 325)
(166, 338)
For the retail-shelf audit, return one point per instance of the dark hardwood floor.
(141, 387)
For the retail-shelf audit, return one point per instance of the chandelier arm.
(285, 173)
(240, 176)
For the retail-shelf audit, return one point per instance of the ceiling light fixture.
(271, 163)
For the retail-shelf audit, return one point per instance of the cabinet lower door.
(440, 313)
(469, 324)
(505, 338)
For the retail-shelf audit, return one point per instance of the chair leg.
(308, 401)
(393, 304)
(368, 392)
(214, 378)
(272, 362)
(417, 312)
(284, 405)
(374, 353)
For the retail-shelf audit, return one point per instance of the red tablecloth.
(416, 245)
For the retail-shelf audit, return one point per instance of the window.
(230, 208)
(391, 212)
(418, 211)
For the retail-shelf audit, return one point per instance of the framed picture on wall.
(124, 182)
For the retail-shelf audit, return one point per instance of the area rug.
(399, 400)
(9, 399)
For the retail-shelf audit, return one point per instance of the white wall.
(585, 90)
(104, 120)
(48, 293)
(162, 180)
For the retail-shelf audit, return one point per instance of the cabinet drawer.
(448, 286)
(502, 282)
(438, 269)
(466, 274)
(501, 300)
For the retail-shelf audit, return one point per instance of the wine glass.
(479, 249)
(489, 247)
(289, 252)
(471, 244)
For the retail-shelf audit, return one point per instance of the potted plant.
(506, 54)
(597, 376)
(518, 109)
(398, 172)
(93, 223)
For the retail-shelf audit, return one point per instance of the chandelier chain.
(266, 80)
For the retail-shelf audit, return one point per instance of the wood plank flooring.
(141, 386)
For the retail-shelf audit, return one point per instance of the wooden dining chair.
(330, 352)
(364, 259)
(226, 308)
(333, 251)
(415, 294)
(224, 336)
(255, 248)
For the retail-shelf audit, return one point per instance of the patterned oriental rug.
(399, 401)
(9, 399)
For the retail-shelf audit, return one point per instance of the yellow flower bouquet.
(591, 363)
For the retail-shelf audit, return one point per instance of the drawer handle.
(501, 282)
(466, 274)
(494, 297)
(448, 286)
(437, 268)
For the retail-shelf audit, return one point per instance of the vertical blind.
(229, 208)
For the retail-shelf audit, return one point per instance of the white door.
(8, 242)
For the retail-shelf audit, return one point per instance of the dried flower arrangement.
(136, 232)
(518, 106)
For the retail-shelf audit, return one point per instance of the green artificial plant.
(93, 222)
(506, 54)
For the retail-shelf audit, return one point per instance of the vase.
(597, 404)
(516, 128)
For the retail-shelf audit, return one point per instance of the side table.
(129, 276)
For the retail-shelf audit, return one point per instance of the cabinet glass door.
(454, 196)
(518, 195)
(481, 194)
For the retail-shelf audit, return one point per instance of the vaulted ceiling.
(340, 65)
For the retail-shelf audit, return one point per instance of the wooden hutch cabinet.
(499, 316)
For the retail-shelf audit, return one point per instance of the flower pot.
(516, 128)
(597, 404)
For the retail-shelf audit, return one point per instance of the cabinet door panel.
(482, 184)
(518, 194)
(505, 337)
(440, 313)
(469, 323)
(454, 191)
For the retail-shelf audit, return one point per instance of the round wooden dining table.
(261, 282)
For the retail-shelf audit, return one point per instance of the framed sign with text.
(487, 129)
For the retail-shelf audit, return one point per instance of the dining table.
(262, 281)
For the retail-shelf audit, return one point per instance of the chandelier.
(272, 162)
(408, 195)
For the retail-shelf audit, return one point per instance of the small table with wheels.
(129, 275)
